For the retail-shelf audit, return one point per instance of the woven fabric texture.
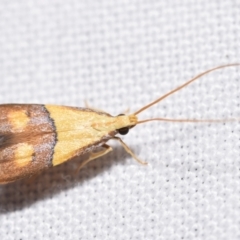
(118, 55)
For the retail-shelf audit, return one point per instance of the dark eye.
(123, 131)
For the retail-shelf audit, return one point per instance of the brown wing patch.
(27, 149)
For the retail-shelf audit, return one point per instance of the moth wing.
(75, 132)
(27, 139)
(34, 137)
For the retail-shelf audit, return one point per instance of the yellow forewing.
(77, 129)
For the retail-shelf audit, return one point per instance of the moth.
(35, 137)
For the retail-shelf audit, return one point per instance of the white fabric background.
(120, 54)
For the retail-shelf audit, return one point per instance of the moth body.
(35, 137)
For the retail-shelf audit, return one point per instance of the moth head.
(131, 121)
(133, 117)
(123, 122)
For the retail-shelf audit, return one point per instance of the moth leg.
(128, 150)
(127, 111)
(92, 108)
(95, 155)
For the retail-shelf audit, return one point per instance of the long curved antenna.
(184, 85)
(189, 120)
